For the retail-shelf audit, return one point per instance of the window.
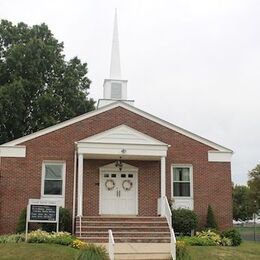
(182, 181)
(53, 178)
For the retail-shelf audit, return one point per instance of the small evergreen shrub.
(93, 252)
(184, 220)
(182, 250)
(233, 235)
(211, 221)
(21, 224)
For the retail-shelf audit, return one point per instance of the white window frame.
(63, 163)
(191, 180)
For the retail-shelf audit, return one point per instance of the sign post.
(40, 211)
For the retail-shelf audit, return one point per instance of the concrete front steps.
(142, 251)
(125, 229)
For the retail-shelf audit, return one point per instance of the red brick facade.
(20, 178)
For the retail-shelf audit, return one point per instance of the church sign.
(46, 213)
(40, 211)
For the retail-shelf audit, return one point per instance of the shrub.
(233, 235)
(93, 252)
(184, 220)
(14, 238)
(211, 221)
(211, 236)
(64, 222)
(198, 241)
(38, 236)
(61, 238)
(225, 241)
(21, 224)
(78, 244)
(182, 250)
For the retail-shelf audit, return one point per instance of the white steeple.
(115, 69)
(114, 88)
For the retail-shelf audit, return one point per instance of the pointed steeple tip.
(115, 67)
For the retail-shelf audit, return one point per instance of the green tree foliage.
(211, 221)
(254, 186)
(242, 203)
(38, 87)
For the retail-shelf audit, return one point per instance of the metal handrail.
(168, 215)
(111, 245)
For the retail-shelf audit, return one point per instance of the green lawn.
(24, 251)
(246, 251)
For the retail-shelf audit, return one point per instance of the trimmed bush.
(182, 250)
(184, 220)
(93, 252)
(233, 235)
(21, 224)
(211, 221)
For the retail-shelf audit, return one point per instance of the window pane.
(181, 189)
(185, 174)
(53, 187)
(176, 174)
(53, 172)
(176, 189)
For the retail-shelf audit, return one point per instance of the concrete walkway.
(141, 251)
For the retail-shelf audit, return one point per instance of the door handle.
(119, 192)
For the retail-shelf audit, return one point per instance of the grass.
(24, 251)
(246, 251)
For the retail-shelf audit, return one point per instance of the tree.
(254, 185)
(211, 221)
(242, 204)
(38, 87)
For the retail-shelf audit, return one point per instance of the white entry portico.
(120, 143)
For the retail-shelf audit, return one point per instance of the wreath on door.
(127, 185)
(110, 184)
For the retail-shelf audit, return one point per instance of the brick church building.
(116, 161)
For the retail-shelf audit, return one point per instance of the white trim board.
(127, 107)
(12, 151)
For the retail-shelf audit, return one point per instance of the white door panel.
(118, 192)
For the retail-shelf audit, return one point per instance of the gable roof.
(127, 107)
(122, 134)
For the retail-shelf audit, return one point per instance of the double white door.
(118, 192)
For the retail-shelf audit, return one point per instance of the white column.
(80, 184)
(163, 185)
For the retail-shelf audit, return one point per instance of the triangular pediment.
(122, 135)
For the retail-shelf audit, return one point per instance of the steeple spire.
(114, 88)
(115, 68)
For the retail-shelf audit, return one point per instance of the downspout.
(74, 191)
